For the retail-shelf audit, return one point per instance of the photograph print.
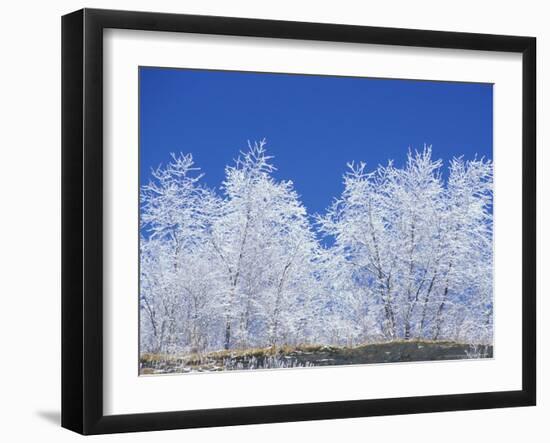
(297, 220)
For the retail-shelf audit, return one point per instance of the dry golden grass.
(196, 359)
(150, 357)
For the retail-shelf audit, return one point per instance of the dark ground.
(309, 356)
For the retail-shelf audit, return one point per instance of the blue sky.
(314, 125)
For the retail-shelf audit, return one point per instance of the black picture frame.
(82, 215)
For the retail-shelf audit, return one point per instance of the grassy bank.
(312, 355)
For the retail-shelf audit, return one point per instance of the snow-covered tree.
(176, 213)
(410, 256)
(415, 245)
(264, 242)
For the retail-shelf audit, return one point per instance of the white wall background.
(30, 218)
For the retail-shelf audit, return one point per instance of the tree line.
(410, 256)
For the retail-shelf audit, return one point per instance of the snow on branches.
(411, 256)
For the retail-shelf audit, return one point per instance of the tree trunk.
(439, 318)
(425, 305)
(227, 334)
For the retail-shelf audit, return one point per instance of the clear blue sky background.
(314, 125)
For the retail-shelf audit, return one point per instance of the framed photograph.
(268, 221)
